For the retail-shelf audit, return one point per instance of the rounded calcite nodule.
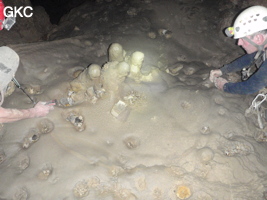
(81, 189)
(136, 62)
(206, 154)
(183, 192)
(123, 68)
(137, 59)
(115, 52)
(94, 71)
(45, 126)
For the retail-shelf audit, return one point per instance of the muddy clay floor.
(176, 140)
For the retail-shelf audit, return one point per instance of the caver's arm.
(238, 64)
(11, 115)
(255, 83)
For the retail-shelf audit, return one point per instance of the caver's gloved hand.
(41, 109)
(219, 82)
(215, 74)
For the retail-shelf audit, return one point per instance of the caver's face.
(249, 48)
(258, 39)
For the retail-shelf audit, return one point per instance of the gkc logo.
(18, 11)
(8, 14)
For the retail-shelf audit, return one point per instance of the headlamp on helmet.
(229, 32)
(248, 22)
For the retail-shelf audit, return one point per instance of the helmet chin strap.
(260, 48)
(259, 58)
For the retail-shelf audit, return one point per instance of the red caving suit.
(2, 16)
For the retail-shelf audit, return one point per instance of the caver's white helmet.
(9, 62)
(251, 20)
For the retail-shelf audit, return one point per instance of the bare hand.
(215, 74)
(41, 109)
